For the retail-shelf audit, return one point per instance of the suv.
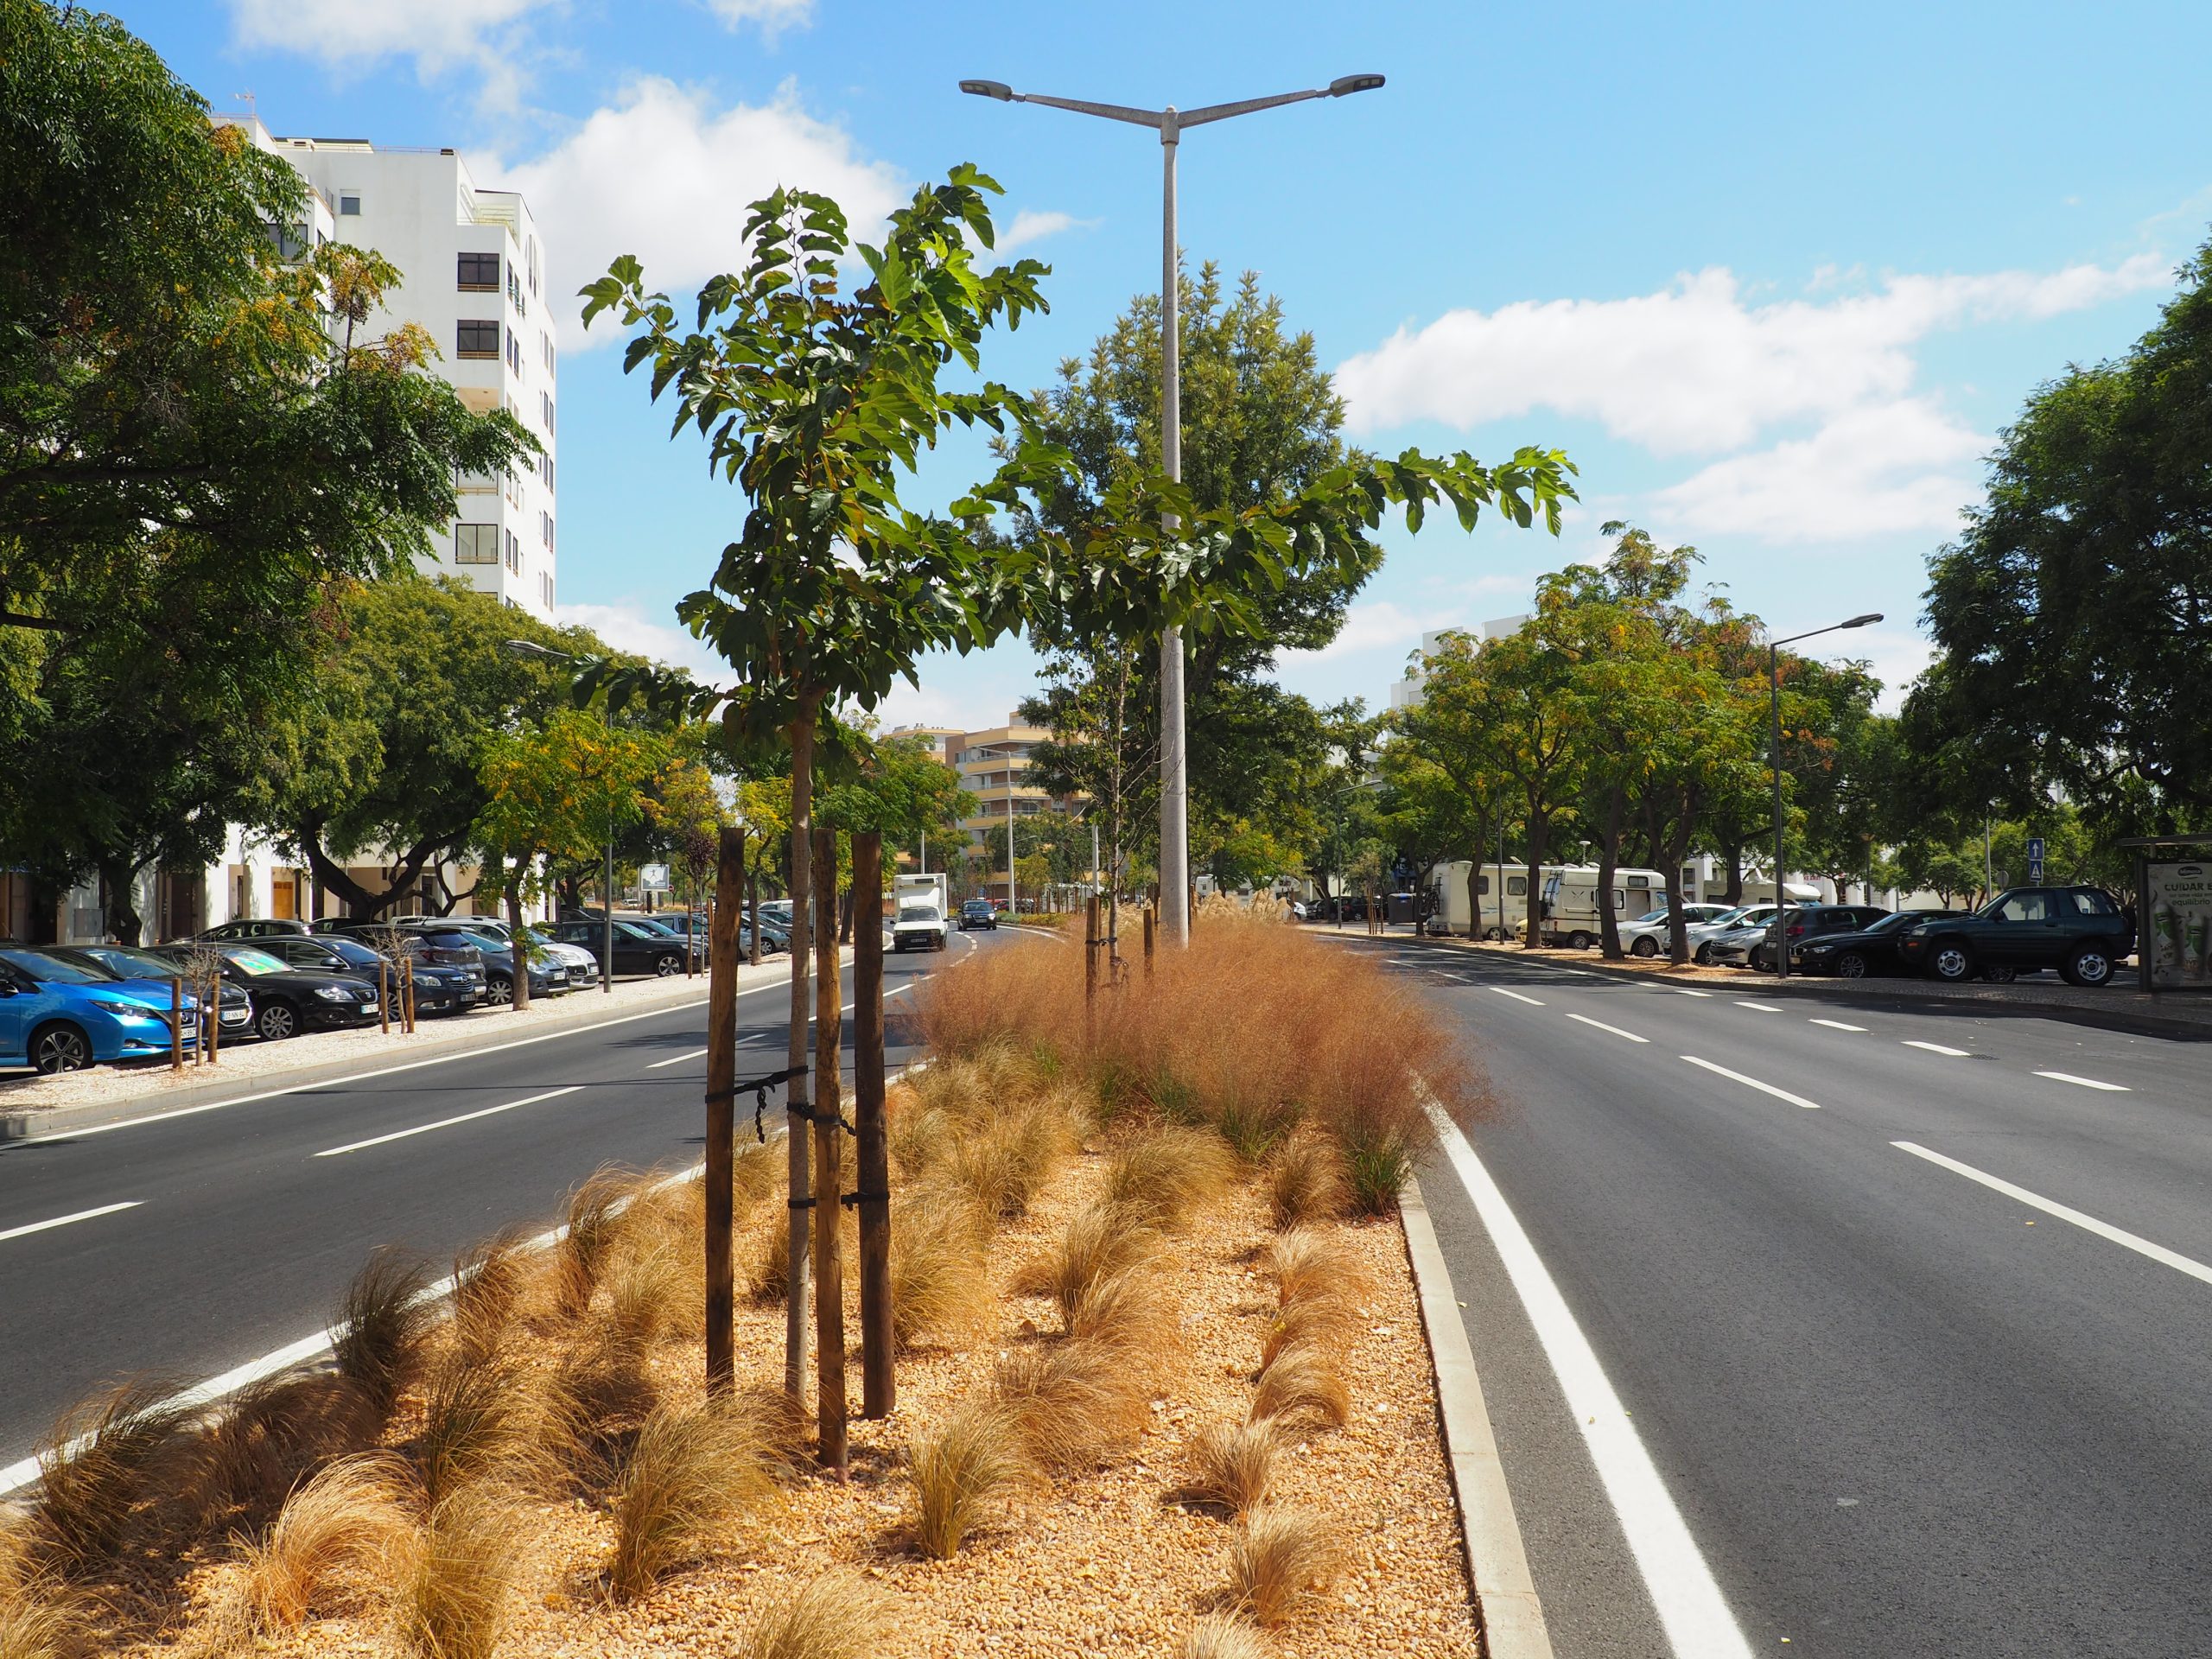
(637, 949)
(2084, 933)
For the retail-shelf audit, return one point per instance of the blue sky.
(1773, 276)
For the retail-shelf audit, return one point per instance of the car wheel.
(1951, 961)
(499, 993)
(1702, 956)
(1646, 946)
(2089, 967)
(276, 1019)
(1999, 976)
(60, 1048)
(1759, 961)
(668, 967)
(1578, 940)
(1851, 965)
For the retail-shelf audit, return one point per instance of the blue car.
(58, 1016)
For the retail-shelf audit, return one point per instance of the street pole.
(1174, 793)
(606, 979)
(1773, 709)
(1013, 894)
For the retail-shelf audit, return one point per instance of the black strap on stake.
(865, 1198)
(759, 1087)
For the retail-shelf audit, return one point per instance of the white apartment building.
(472, 273)
(1407, 693)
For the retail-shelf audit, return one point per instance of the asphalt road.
(1898, 1410)
(244, 1224)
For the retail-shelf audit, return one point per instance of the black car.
(235, 1007)
(2084, 933)
(287, 1000)
(978, 912)
(438, 989)
(1862, 953)
(252, 927)
(639, 948)
(547, 975)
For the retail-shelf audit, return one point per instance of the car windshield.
(51, 970)
(254, 962)
(352, 952)
(124, 962)
(1894, 921)
(1650, 915)
(976, 907)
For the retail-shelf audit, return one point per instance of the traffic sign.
(652, 877)
(2035, 860)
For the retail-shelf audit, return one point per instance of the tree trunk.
(829, 1159)
(118, 900)
(1609, 860)
(1733, 851)
(871, 1152)
(722, 1109)
(1540, 827)
(1475, 889)
(518, 951)
(798, 1099)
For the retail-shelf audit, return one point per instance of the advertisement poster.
(2177, 932)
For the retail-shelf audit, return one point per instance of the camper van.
(1571, 900)
(1501, 890)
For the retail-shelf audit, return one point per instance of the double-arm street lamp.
(531, 648)
(1174, 802)
(1774, 715)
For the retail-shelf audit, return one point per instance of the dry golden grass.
(455, 1575)
(1305, 1324)
(1165, 1172)
(1232, 1466)
(36, 1622)
(382, 1327)
(1005, 1161)
(840, 1615)
(1309, 1267)
(1306, 1183)
(1301, 1387)
(1218, 1635)
(594, 1219)
(244, 1460)
(963, 1475)
(771, 1278)
(693, 1471)
(756, 1170)
(596, 1395)
(655, 1283)
(1282, 1559)
(106, 1456)
(1134, 1315)
(1073, 1404)
(488, 1280)
(1100, 1240)
(479, 1422)
(940, 1277)
(334, 1544)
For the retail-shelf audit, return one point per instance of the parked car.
(1647, 935)
(550, 974)
(637, 949)
(439, 989)
(977, 912)
(1860, 953)
(57, 1015)
(1702, 935)
(287, 1000)
(1802, 922)
(2084, 933)
(252, 927)
(582, 966)
(147, 976)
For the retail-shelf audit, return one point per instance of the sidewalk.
(2118, 1006)
(32, 1106)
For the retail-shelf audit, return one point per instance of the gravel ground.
(1104, 1563)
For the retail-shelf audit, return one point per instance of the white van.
(1502, 891)
(1571, 901)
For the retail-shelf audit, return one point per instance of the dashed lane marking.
(1938, 1048)
(64, 1221)
(1602, 1025)
(1837, 1025)
(1753, 1082)
(1516, 996)
(447, 1123)
(2086, 1082)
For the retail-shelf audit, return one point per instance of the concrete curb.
(1497, 1565)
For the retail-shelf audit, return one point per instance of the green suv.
(2084, 933)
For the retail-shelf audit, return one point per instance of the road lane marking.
(1516, 996)
(1753, 1082)
(1602, 1025)
(1761, 1007)
(1838, 1024)
(447, 1123)
(1679, 990)
(2086, 1082)
(676, 1059)
(1691, 1608)
(2141, 1246)
(63, 1221)
(1938, 1048)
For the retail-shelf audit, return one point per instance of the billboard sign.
(2177, 942)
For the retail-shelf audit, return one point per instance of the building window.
(545, 409)
(545, 350)
(480, 273)
(349, 206)
(514, 554)
(545, 587)
(545, 529)
(476, 543)
(514, 352)
(476, 339)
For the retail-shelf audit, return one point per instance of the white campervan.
(1501, 890)
(1571, 901)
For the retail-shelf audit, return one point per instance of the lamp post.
(1174, 799)
(531, 648)
(1774, 717)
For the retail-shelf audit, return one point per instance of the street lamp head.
(531, 648)
(1344, 85)
(997, 89)
(1861, 621)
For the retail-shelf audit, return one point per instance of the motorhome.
(1501, 890)
(1570, 901)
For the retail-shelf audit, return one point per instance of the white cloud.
(665, 175)
(627, 627)
(1895, 652)
(1882, 468)
(438, 35)
(1031, 225)
(1374, 625)
(769, 16)
(1697, 367)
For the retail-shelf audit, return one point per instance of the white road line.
(1602, 1025)
(2141, 1246)
(676, 1059)
(1753, 1082)
(1938, 1048)
(447, 1123)
(1516, 996)
(2086, 1082)
(1759, 1008)
(1837, 1025)
(1681, 990)
(1692, 1611)
(63, 1221)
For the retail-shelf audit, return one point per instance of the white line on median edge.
(2086, 1082)
(1516, 996)
(447, 1123)
(1691, 1609)
(2141, 1246)
(1753, 1082)
(1602, 1025)
(63, 1221)
(676, 1059)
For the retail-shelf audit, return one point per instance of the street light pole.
(1774, 715)
(1175, 787)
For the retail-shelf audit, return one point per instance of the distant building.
(991, 763)
(1407, 692)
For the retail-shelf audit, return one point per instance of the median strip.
(2141, 1245)
(2086, 1082)
(447, 1123)
(64, 1221)
(1602, 1025)
(1753, 1082)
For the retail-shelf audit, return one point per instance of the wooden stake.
(383, 994)
(215, 1018)
(1090, 955)
(829, 1181)
(872, 1159)
(722, 1112)
(1147, 941)
(799, 1169)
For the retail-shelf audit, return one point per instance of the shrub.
(455, 1576)
(1306, 1183)
(478, 1422)
(1318, 1325)
(840, 1615)
(1220, 1637)
(103, 1458)
(1133, 1315)
(335, 1540)
(1073, 1402)
(1166, 1172)
(1301, 1386)
(1281, 1560)
(1100, 1240)
(382, 1325)
(1311, 1266)
(592, 1400)
(940, 1280)
(36, 1621)
(487, 1286)
(1232, 1464)
(246, 1461)
(963, 1475)
(692, 1470)
(1005, 1162)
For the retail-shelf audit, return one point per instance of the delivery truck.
(921, 917)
